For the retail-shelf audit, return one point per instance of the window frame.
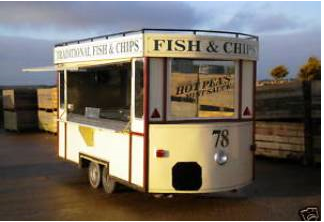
(134, 91)
(62, 89)
(237, 92)
(137, 124)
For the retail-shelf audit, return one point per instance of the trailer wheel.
(108, 183)
(94, 175)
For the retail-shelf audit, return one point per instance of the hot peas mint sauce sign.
(208, 86)
(200, 46)
(190, 91)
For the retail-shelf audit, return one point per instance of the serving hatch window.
(202, 89)
(102, 92)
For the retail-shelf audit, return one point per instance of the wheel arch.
(84, 161)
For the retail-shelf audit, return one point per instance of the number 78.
(221, 137)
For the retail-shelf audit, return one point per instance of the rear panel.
(189, 143)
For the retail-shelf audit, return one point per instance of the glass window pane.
(101, 91)
(183, 78)
(202, 88)
(139, 89)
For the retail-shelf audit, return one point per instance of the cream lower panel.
(196, 142)
(61, 136)
(107, 145)
(137, 160)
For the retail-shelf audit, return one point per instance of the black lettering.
(169, 45)
(136, 47)
(237, 48)
(244, 48)
(196, 85)
(158, 44)
(188, 88)
(180, 90)
(205, 83)
(131, 46)
(195, 45)
(250, 49)
(180, 45)
(228, 48)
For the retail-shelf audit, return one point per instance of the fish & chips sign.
(192, 46)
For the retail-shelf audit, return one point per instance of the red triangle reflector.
(155, 114)
(247, 112)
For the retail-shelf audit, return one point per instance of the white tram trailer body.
(162, 111)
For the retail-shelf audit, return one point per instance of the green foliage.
(311, 70)
(279, 72)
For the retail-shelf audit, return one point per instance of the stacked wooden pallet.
(316, 119)
(47, 109)
(277, 102)
(1, 112)
(288, 120)
(20, 109)
(275, 139)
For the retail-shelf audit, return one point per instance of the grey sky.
(289, 32)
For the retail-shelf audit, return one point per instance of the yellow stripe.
(87, 135)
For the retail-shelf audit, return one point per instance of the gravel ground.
(36, 185)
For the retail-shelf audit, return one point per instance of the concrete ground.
(35, 185)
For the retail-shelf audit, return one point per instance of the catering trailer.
(159, 110)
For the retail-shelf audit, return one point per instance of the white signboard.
(195, 46)
(115, 48)
(159, 45)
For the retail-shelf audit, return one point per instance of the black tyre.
(94, 175)
(108, 183)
